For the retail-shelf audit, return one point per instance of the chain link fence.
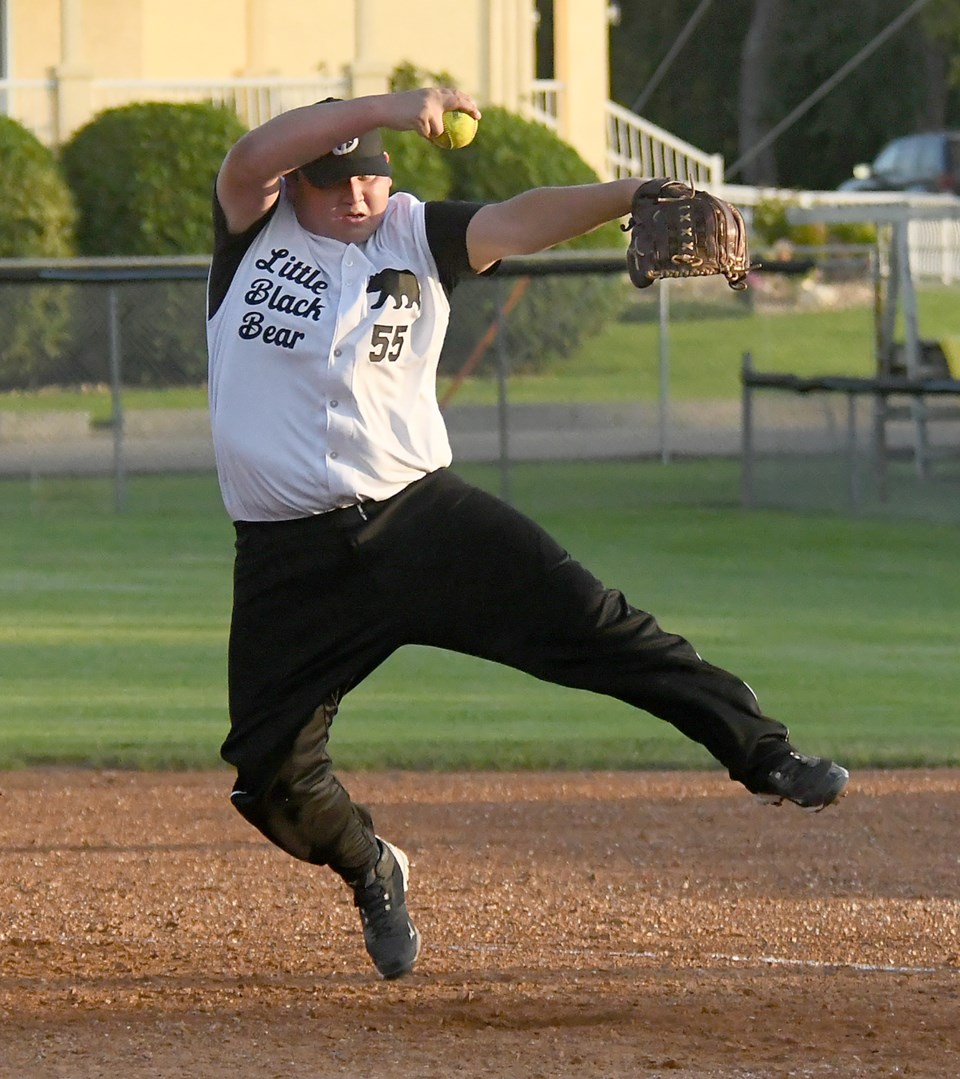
(103, 366)
(878, 446)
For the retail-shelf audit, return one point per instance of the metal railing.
(636, 147)
(935, 249)
(253, 100)
(545, 102)
(33, 103)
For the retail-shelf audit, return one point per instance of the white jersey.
(322, 367)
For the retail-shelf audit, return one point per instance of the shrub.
(142, 176)
(418, 166)
(853, 232)
(556, 313)
(770, 222)
(37, 219)
(770, 225)
(37, 214)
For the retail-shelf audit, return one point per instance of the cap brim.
(331, 169)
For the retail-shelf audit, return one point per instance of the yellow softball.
(458, 130)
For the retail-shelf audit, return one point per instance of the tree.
(756, 84)
(743, 71)
(940, 21)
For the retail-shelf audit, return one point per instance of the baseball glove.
(677, 231)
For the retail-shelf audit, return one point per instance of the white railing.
(933, 221)
(32, 102)
(254, 100)
(544, 102)
(935, 249)
(636, 147)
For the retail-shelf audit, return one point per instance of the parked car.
(925, 162)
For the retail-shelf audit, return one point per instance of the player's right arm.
(537, 219)
(249, 179)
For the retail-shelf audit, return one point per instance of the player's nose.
(354, 191)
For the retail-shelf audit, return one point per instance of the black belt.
(364, 510)
(348, 517)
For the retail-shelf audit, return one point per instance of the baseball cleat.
(392, 940)
(810, 782)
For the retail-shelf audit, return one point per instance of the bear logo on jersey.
(400, 285)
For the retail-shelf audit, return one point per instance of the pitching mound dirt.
(574, 925)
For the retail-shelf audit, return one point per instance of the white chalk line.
(766, 960)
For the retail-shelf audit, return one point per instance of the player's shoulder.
(402, 205)
(436, 216)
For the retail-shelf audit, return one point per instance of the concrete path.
(172, 440)
(179, 440)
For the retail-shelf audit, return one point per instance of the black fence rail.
(882, 422)
(139, 324)
(109, 330)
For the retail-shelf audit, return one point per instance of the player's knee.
(305, 821)
(304, 809)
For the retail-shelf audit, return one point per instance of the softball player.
(328, 301)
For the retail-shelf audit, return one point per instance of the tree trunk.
(756, 72)
(936, 67)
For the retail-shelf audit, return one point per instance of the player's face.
(348, 211)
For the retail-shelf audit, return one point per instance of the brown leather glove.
(677, 231)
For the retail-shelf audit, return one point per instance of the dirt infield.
(574, 925)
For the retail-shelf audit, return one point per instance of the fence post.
(664, 388)
(854, 487)
(503, 412)
(116, 396)
(746, 432)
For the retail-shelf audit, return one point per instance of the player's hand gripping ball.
(458, 130)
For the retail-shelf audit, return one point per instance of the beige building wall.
(487, 46)
(33, 33)
(113, 42)
(243, 38)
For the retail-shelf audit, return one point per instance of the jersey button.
(338, 352)
(334, 455)
(333, 404)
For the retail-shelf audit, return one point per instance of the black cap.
(363, 156)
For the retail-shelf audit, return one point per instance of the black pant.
(320, 602)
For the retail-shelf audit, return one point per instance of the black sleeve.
(446, 225)
(228, 251)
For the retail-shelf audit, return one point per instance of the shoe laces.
(374, 900)
(792, 764)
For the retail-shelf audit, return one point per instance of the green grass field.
(113, 629)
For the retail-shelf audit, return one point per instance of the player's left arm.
(544, 216)
(248, 182)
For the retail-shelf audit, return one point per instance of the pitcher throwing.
(328, 301)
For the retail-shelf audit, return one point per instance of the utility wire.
(826, 87)
(671, 55)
